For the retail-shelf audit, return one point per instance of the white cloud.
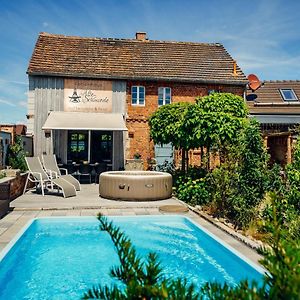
(12, 81)
(7, 102)
(45, 24)
(22, 103)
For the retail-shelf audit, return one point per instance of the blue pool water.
(60, 258)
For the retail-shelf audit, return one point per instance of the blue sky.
(262, 35)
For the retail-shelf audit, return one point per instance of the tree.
(16, 155)
(223, 117)
(213, 122)
(253, 164)
(229, 103)
(167, 125)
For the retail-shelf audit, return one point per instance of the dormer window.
(288, 95)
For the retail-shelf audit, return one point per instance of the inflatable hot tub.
(135, 185)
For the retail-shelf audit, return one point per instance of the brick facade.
(137, 116)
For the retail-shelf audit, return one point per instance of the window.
(138, 95)
(288, 94)
(164, 96)
(213, 91)
(78, 146)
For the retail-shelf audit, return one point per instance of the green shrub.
(193, 192)
(238, 185)
(222, 183)
(181, 177)
(191, 186)
(16, 155)
(293, 178)
(168, 167)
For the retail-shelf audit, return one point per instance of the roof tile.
(132, 59)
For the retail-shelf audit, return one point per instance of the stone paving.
(88, 197)
(88, 203)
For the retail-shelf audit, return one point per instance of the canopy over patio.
(85, 121)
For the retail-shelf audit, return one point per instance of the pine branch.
(131, 267)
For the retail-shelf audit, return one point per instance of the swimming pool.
(60, 258)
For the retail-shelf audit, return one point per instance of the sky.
(262, 35)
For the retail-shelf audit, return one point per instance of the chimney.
(141, 36)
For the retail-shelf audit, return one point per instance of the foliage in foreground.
(143, 279)
(282, 261)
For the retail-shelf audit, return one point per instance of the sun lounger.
(50, 165)
(37, 174)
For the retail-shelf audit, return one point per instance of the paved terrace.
(88, 203)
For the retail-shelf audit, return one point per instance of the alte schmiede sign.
(88, 95)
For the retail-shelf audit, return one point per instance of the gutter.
(277, 103)
(142, 78)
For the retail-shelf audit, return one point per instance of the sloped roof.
(70, 56)
(268, 100)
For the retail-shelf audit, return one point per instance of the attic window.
(288, 94)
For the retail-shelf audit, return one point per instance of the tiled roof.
(268, 100)
(60, 55)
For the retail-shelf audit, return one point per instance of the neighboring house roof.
(268, 100)
(107, 58)
(21, 129)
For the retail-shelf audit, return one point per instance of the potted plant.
(137, 156)
(136, 163)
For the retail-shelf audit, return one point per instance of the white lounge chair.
(38, 175)
(50, 165)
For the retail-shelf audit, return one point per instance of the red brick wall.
(138, 129)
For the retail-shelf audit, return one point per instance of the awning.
(85, 121)
(277, 119)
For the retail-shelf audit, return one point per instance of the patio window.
(164, 96)
(138, 95)
(78, 146)
(288, 95)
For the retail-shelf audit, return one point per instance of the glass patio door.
(101, 146)
(78, 146)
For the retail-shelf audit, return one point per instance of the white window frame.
(164, 95)
(293, 93)
(138, 95)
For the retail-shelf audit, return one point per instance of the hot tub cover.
(85, 121)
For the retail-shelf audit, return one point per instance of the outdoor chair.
(85, 171)
(50, 165)
(38, 175)
(101, 167)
